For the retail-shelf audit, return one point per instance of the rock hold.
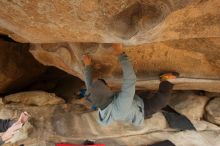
(189, 104)
(213, 111)
(38, 98)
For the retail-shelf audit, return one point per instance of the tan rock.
(213, 111)
(6, 113)
(165, 35)
(171, 35)
(148, 62)
(58, 54)
(184, 138)
(58, 123)
(1, 101)
(212, 94)
(42, 21)
(39, 98)
(189, 104)
(205, 126)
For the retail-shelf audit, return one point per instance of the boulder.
(159, 36)
(189, 104)
(128, 21)
(61, 123)
(148, 62)
(38, 98)
(213, 111)
(1, 100)
(182, 138)
(6, 113)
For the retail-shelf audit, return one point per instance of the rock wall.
(129, 21)
(199, 70)
(159, 36)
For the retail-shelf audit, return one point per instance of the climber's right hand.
(87, 60)
(118, 49)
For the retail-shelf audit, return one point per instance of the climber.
(10, 127)
(124, 105)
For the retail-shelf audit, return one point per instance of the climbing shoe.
(168, 75)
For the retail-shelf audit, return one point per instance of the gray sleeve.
(88, 76)
(126, 95)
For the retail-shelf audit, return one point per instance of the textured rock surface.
(212, 94)
(17, 66)
(39, 98)
(60, 123)
(148, 59)
(180, 35)
(213, 111)
(189, 104)
(191, 138)
(160, 36)
(130, 21)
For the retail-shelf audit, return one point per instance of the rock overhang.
(159, 36)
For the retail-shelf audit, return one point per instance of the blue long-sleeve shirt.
(126, 106)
